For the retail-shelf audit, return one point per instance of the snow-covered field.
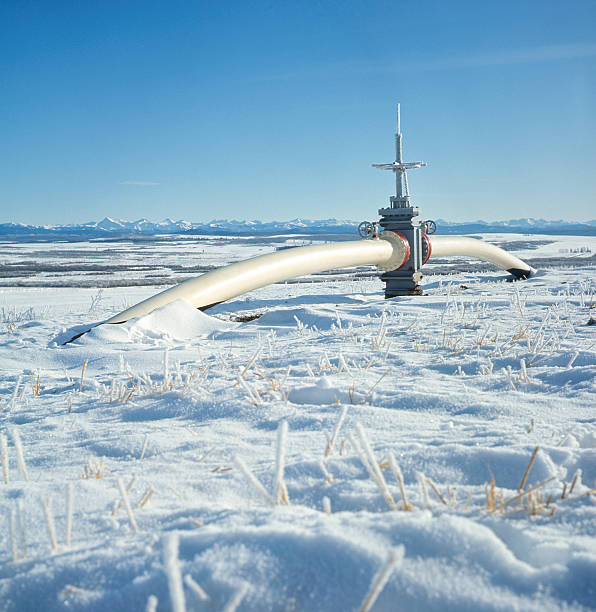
(128, 456)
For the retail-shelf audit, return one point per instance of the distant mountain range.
(109, 227)
(519, 226)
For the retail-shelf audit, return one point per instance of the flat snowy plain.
(125, 454)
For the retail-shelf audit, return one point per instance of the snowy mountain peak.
(144, 226)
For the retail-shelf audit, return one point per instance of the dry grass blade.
(236, 599)
(400, 480)
(335, 433)
(326, 473)
(126, 500)
(452, 491)
(172, 567)
(145, 441)
(196, 588)
(253, 395)
(250, 362)
(491, 495)
(71, 591)
(253, 480)
(522, 484)
(203, 457)
(280, 491)
(93, 469)
(4, 446)
(82, 376)
(129, 488)
(147, 495)
(20, 457)
(220, 469)
(13, 534)
(371, 390)
(47, 510)
(527, 491)
(374, 468)
(573, 482)
(380, 580)
(152, 602)
(436, 491)
(35, 386)
(423, 488)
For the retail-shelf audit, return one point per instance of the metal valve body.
(404, 218)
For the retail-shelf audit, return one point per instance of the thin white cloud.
(544, 53)
(529, 55)
(141, 183)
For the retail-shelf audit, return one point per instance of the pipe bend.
(238, 278)
(443, 246)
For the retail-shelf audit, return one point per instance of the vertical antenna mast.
(398, 158)
(402, 194)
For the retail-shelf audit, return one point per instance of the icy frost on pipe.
(459, 245)
(388, 253)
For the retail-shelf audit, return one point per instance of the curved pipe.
(390, 252)
(442, 246)
(219, 285)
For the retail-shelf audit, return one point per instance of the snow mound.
(323, 393)
(293, 317)
(177, 320)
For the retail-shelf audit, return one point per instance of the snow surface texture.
(149, 465)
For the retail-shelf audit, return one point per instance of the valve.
(368, 230)
(428, 226)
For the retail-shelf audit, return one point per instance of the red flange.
(429, 247)
(407, 253)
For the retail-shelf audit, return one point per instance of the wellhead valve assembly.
(402, 220)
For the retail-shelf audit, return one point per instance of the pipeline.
(389, 252)
(236, 279)
(441, 246)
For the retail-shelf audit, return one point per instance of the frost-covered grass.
(339, 452)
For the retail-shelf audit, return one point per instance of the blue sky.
(275, 110)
